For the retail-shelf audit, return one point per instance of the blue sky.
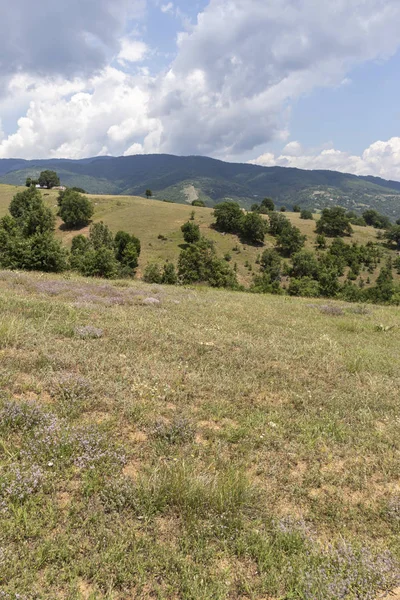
(276, 82)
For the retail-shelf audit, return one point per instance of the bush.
(283, 209)
(152, 273)
(191, 232)
(169, 276)
(320, 241)
(253, 228)
(75, 210)
(374, 219)
(48, 179)
(100, 236)
(268, 204)
(393, 235)
(305, 286)
(228, 217)
(296, 208)
(46, 254)
(334, 222)
(271, 264)
(198, 203)
(277, 223)
(306, 214)
(304, 264)
(30, 213)
(121, 241)
(199, 263)
(290, 240)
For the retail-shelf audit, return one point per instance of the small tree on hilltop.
(48, 179)
(268, 204)
(149, 194)
(334, 222)
(191, 232)
(30, 213)
(75, 210)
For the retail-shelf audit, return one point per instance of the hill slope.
(148, 219)
(204, 448)
(183, 178)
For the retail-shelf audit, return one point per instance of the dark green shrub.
(199, 264)
(48, 179)
(191, 232)
(253, 228)
(304, 264)
(271, 264)
(30, 213)
(296, 208)
(306, 214)
(334, 222)
(268, 204)
(304, 286)
(228, 217)
(122, 240)
(374, 219)
(277, 223)
(198, 203)
(283, 209)
(100, 236)
(152, 273)
(75, 210)
(290, 240)
(321, 242)
(46, 254)
(169, 275)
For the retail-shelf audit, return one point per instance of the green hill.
(184, 178)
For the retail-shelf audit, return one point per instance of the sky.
(300, 83)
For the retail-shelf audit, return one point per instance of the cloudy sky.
(302, 83)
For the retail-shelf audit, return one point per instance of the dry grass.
(233, 411)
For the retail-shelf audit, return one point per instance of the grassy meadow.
(148, 219)
(193, 444)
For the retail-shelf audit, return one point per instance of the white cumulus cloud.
(381, 159)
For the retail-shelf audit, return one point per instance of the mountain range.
(183, 179)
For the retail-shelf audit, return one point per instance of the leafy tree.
(306, 214)
(198, 203)
(100, 263)
(46, 254)
(304, 264)
(393, 235)
(253, 228)
(296, 208)
(129, 260)
(375, 219)
(356, 219)
(78, 189)
(75, 210)
(28, 182)
(48, 179)
(334, 222)
(152, 273)
(30, 213)
(277, 223)
(320, 241)
(199, 263)
(271, 264)
(169, 276)
(306, 287)
(290, 240)
(121, 241)
(149, 194)
(191, 232)
(228, 217)
(100, 236)
(268, 204)
(283, 209)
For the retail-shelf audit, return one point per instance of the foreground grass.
(149, 219)
(179, 443)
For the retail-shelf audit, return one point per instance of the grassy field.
(148, 219)
(193, 444)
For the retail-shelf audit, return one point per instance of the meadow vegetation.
(183, 442)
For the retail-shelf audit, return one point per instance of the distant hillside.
(182, 179)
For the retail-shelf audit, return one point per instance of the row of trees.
(27, 241)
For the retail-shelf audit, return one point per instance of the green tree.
(199, 263)
(296, 208)
(268, 204)
(46, 254)
(75, 210)
(149, 194)
(277, 223)
(334, 222)
(122, 240)
(152, 273)
(271, 264)
(321, 242)
(290, 240)
(28, 182)
(393, 235)
(169, 276)
(306, 287)
(191, 232)
(253, 228)
(228, 217)
(198, 203)
(375, 219)
(283, 209)
(100, 236)
(306, 214)
(304, 264)
(48, 179)
(30, 213)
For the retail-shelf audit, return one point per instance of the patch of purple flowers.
(346, 573)
(20, 416)
(18, 482)
(89, 332)
(92, 449)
